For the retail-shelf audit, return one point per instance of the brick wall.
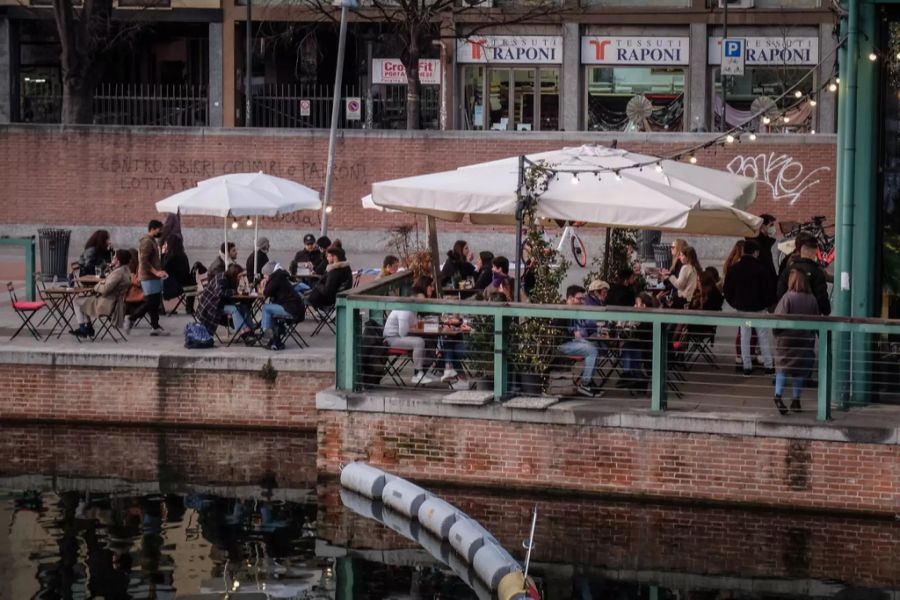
(180, 396)
(655, 464)
(700, 540)
(113, 176)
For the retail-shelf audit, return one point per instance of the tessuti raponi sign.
(391, 71)
(610, 50)
(733, 56)
(507, 49)
(771, 51)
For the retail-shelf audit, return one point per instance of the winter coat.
(620, 295)
(765, 254)
(314, 258)
(685, 282)
(280, 290)
(456, 268)
(109, 295)
(748, 286)
(795, 348)
(209, 311)
(338, 277)
(91, 258)
(261, 259)
(219, 265)
(483, 278)
(815, 276)
(179, 269)
(148, 258)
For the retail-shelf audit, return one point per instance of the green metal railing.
(26, 243)
(830, 383)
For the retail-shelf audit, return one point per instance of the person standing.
(748, 288)
(151, 273)
(766, 241)
(807, 263)
(795, 347)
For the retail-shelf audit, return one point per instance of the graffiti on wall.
(781, 173)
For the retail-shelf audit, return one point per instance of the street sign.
(733, 56)
(305, 108)
(354, 109)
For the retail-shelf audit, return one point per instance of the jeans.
(631, 361)
(238, 315)
(764, 338)
(301, 288)
(270, 311)
(150, 306)
(454, 350)
(781, 379)
(410, 342)
(582, 347)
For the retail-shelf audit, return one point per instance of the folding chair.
(106, 324)
(700, 346)
(287, 330)
(324, 317)
(26, 310)
(397, 360)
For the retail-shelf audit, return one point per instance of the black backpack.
(373, 353)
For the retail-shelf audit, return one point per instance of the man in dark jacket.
(256, 261)
(749, 288)
(338, 277)
(310, 256)
(622, 292)
(815, 275)
(285, 302)
(766, 240)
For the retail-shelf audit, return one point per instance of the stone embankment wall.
(112, 176)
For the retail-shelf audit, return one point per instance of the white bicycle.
(569, 240)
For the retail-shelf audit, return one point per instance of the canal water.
(118, 513)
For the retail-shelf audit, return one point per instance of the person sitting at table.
(262, 257)
(396, 335)
(223, 261)
(324, 243)
(636, 348)
(105, 299)
(215, 302)
(453, 350)
(683, 284)
(580, 331)
(501, 282)
(284, 301)
(338, 277)
(309, 257)
(457, 266)
(597, 294)
(484, 275)
(621, 293)
(389, 266)
(134, 297)
(98, 252)
(180, 280)
(426, 284)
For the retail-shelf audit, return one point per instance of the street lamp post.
(248, 68)
(335, 112)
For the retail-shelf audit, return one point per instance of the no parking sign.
(305, 108)
(354, 109)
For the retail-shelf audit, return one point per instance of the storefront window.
(635, 98)
(515, 101)
(761, 86)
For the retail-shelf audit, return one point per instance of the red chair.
(397, 360)
(26, 311)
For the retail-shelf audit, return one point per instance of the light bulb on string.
(575, 180)
(873, 57)
(812, 131)
(752, 137)
(658, 168)
(693, 159)
(249, 222)
(729, 139)
(766, 120)
(234, 224)
(786, 118)
(328, 209)
(618, 176)
(837, 80)
(798, 94)
(812, 102)
(832, 87)
(898, 56)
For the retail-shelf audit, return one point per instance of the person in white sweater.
(396, 335)
(685, 283)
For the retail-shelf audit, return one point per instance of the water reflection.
(145, 513)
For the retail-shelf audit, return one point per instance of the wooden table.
(61, 307)
(89, 280)
(444, 331)
(460, 293)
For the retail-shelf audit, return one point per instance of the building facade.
(613, 65)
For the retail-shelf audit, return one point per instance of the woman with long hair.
(685, 283)
(737, 251)
(457, 265)
(175, 262)
(97, 252)
(794, 348)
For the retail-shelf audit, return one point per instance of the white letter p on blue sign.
(733, 48)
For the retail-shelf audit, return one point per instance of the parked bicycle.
(815, 226)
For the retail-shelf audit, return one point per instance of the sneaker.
(421, 378)
(795, 406)
(780, 405)
(159, 332)
(448, 375)
(586, 390)
(748, 372)
(129, 325)
(461, 385)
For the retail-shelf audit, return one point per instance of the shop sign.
(610, 50)
(507, 49)
(771, 51)
(392, 72)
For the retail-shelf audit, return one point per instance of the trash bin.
(662, 255)
(54, 245)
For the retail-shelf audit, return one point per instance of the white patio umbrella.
(689, 200)
(295, 196)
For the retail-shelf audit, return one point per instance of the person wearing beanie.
(262, 257)
(309, 257)
(284, 302)
(338, 277)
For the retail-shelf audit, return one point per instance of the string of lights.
(738, 133)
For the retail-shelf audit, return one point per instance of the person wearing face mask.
(765, 239)
(152, 275)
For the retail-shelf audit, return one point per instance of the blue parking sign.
(733, 56)
(734, 48)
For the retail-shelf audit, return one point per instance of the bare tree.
(418, 23)
(88, 33)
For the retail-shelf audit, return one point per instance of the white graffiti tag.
(781, 173)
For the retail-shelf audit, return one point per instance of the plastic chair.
(26, 310)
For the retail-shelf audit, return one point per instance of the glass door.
(522, 101)
(517, 98)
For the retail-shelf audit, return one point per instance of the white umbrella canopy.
(296, 195)
(637, 199)
(223, 199)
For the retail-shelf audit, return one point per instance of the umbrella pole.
(225, 233)
(255, 241)
(606, 247)
(519, 218)
(431, 234)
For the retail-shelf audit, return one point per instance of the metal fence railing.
(309, 106)
(662, 356)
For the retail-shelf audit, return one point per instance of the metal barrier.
(28, 244)
(660, 355)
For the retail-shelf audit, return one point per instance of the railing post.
(826, 364)
(29, 270)
(501, 367)
(658, 376)
(346, 345)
